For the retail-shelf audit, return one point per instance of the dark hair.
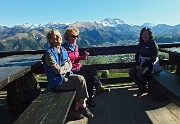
(151, 37)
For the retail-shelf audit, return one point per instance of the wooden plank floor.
(121, 106)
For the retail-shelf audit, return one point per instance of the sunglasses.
(74, 36)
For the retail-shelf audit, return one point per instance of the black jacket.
(147, 49)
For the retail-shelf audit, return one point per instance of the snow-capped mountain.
(55, 24)
(112, 22)
(108, 31)
(148, 25)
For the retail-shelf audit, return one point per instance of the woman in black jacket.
(145, 57)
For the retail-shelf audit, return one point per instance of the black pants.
(141, 83)
(90, 75)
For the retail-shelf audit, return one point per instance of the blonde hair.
(69, 31)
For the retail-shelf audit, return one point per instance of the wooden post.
(178, 66)
(175, 60)
(21, 92)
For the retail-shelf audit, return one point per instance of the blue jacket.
(55, 80)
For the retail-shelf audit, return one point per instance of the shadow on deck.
(120, 106)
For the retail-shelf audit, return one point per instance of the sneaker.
(87, 112)
(91, 102)
(76, 114)
(101, 89)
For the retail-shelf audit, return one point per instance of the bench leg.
(21, 92)
(155, 93)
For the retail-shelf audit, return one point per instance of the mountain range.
(107, 32)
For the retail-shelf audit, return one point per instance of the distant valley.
(108, 32)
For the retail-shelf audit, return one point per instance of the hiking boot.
(101, 90)
(91, 102)
(76, 114)
(87, 112)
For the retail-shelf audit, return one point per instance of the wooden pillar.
(175, 60)
(178, 65)
(21, 92)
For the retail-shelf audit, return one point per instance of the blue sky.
(14, 12)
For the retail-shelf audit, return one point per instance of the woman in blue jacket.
(58, 70)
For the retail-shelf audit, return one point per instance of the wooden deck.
(121, 106)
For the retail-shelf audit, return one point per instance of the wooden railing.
(94, 51)
(112, 50)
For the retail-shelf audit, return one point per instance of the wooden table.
(13, 67)
(16, 74)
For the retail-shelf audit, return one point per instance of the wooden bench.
(164, 85)
(48, 108)
(18, 78)
(23, 91)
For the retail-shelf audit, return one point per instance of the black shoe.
(76, 114)
(141, 91)
(87, 112)
(91, 102)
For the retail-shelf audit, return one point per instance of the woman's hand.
(86, 54)
(138, 67)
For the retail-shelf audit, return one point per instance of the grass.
(3, 92)
(116, 75)
(41, 78)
